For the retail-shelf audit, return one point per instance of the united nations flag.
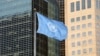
(51, 28)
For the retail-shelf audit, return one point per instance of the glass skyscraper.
(62, 18)
(16, 28)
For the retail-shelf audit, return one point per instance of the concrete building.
(83, 20)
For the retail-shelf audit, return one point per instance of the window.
(89, 25)
(72, 36)
(72, 28)
(97, 17)
(90, 50)
(73, 44)
(78, 27)
(78, 43)
(10, 55)
(84, 42)
(84, 51)
(72, 7)
(97, 25)
(89, 16)
(83, 17)
(78, 19)
(79, 52)
(98, 49)
(90, 41)
(83, 25)
(97, 4)
(73, 52)
(84, 34)
(77, 6)
(83, 4)
(72, 20)
(89, 33)
(78, 35)
(88, 3)
(98, 42)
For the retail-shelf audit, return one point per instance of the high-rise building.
(61, 17)
(82, 19)
(16, 28)
(49, 46)
(61, 9)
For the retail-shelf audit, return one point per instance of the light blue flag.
(51, 28)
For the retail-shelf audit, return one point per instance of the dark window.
(84, 51)
(72, 7)
(88, 3)
(77, 6)
(73, 52)
(89, 16)
(78, 52)
(97, 4)
(72, 20)
(78, 19)
(83, 4)
(83, 17)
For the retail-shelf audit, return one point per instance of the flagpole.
(34, 31)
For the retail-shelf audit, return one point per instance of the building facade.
(62, 18)
(83, 18)
(61, 10)
(48, 8)
(16, 28)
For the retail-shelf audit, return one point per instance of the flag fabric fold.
(51, 28)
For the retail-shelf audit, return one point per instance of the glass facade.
(10, 7)
(16, 28)
(53, 45)
(62, 16)
(50, 9)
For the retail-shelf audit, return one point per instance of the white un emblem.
(52, 27)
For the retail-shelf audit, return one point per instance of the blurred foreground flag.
(51, 28)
